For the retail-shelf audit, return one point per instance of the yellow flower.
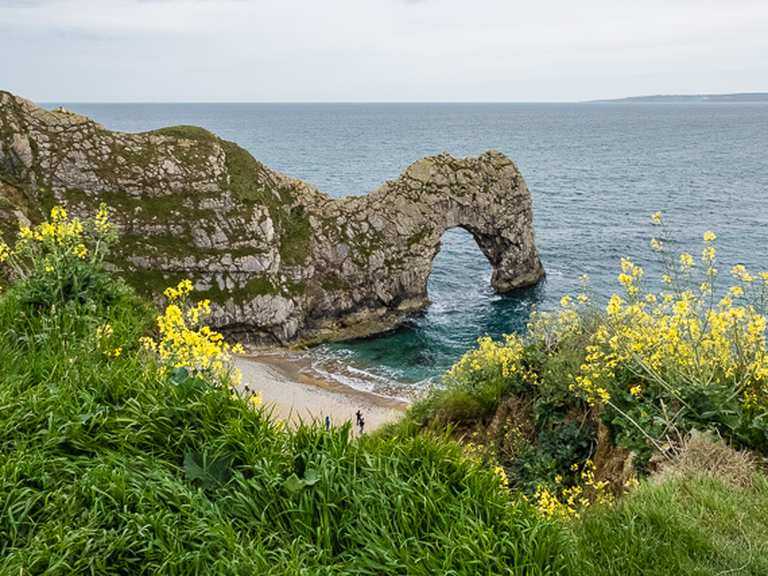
(171, 293)
(614, 305)
(636, 390)
(104, 331)
(656, 218)
(186, 342)
(631, 483)
(686, 261)
(709, 236)
(58, 214)
(740, 272)
(148, 343)
(708, 254)
(102, 219)
(254, 400)
(80, 251)
(5, 252)
(502, 476)
(625, 279)
(565, 301)
(736, 291)
(656, 245)
(46, 230)
(184, 287)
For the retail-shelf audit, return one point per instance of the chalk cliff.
(282, 261)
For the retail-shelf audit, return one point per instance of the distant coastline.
(736, 97)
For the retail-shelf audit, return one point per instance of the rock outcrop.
(282, 261)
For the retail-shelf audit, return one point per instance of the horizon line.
(702, 95)
(311, 101)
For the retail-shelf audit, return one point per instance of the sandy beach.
(295, 395)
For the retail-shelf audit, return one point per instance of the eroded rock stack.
(281, 261)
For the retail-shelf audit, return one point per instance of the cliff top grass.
(123, 455)
(125, 451)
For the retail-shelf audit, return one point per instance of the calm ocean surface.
(596, 172)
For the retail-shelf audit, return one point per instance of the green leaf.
(210, 474)
(293, 484)
(179, 375)
(311, 477)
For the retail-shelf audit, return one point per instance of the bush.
(647, 369)
(662, 363)
(60, 261)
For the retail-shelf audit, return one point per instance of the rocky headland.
(281, 261)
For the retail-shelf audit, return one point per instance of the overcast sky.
(379, 50)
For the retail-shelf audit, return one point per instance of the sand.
(295, 395)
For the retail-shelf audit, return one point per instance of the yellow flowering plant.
(561, 499)
(188, 348)
(652, 364)
(490, 360)
(60, 260)
(660, 363)
(487, 373)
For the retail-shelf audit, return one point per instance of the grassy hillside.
(125, 451)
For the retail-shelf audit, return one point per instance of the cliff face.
(282, 261)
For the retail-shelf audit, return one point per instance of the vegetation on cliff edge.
(125, 449)
(592, 400)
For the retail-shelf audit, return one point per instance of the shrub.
(647, 369)
(187, 346)
(60, 261)
(662, 363)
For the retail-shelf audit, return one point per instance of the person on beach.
(361, 423)
(358, 417)
(327, 423)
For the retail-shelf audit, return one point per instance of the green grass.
(695, 526)
(108, 468)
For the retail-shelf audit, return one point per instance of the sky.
(379, 50)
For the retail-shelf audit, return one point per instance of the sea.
(596, 171)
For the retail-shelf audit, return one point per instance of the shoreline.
(294, 395)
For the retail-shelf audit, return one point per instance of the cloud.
(379, 49)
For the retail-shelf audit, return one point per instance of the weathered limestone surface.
(282, 261)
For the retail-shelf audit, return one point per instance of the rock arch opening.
(460, 274)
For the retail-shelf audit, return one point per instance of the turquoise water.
(596, 172)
